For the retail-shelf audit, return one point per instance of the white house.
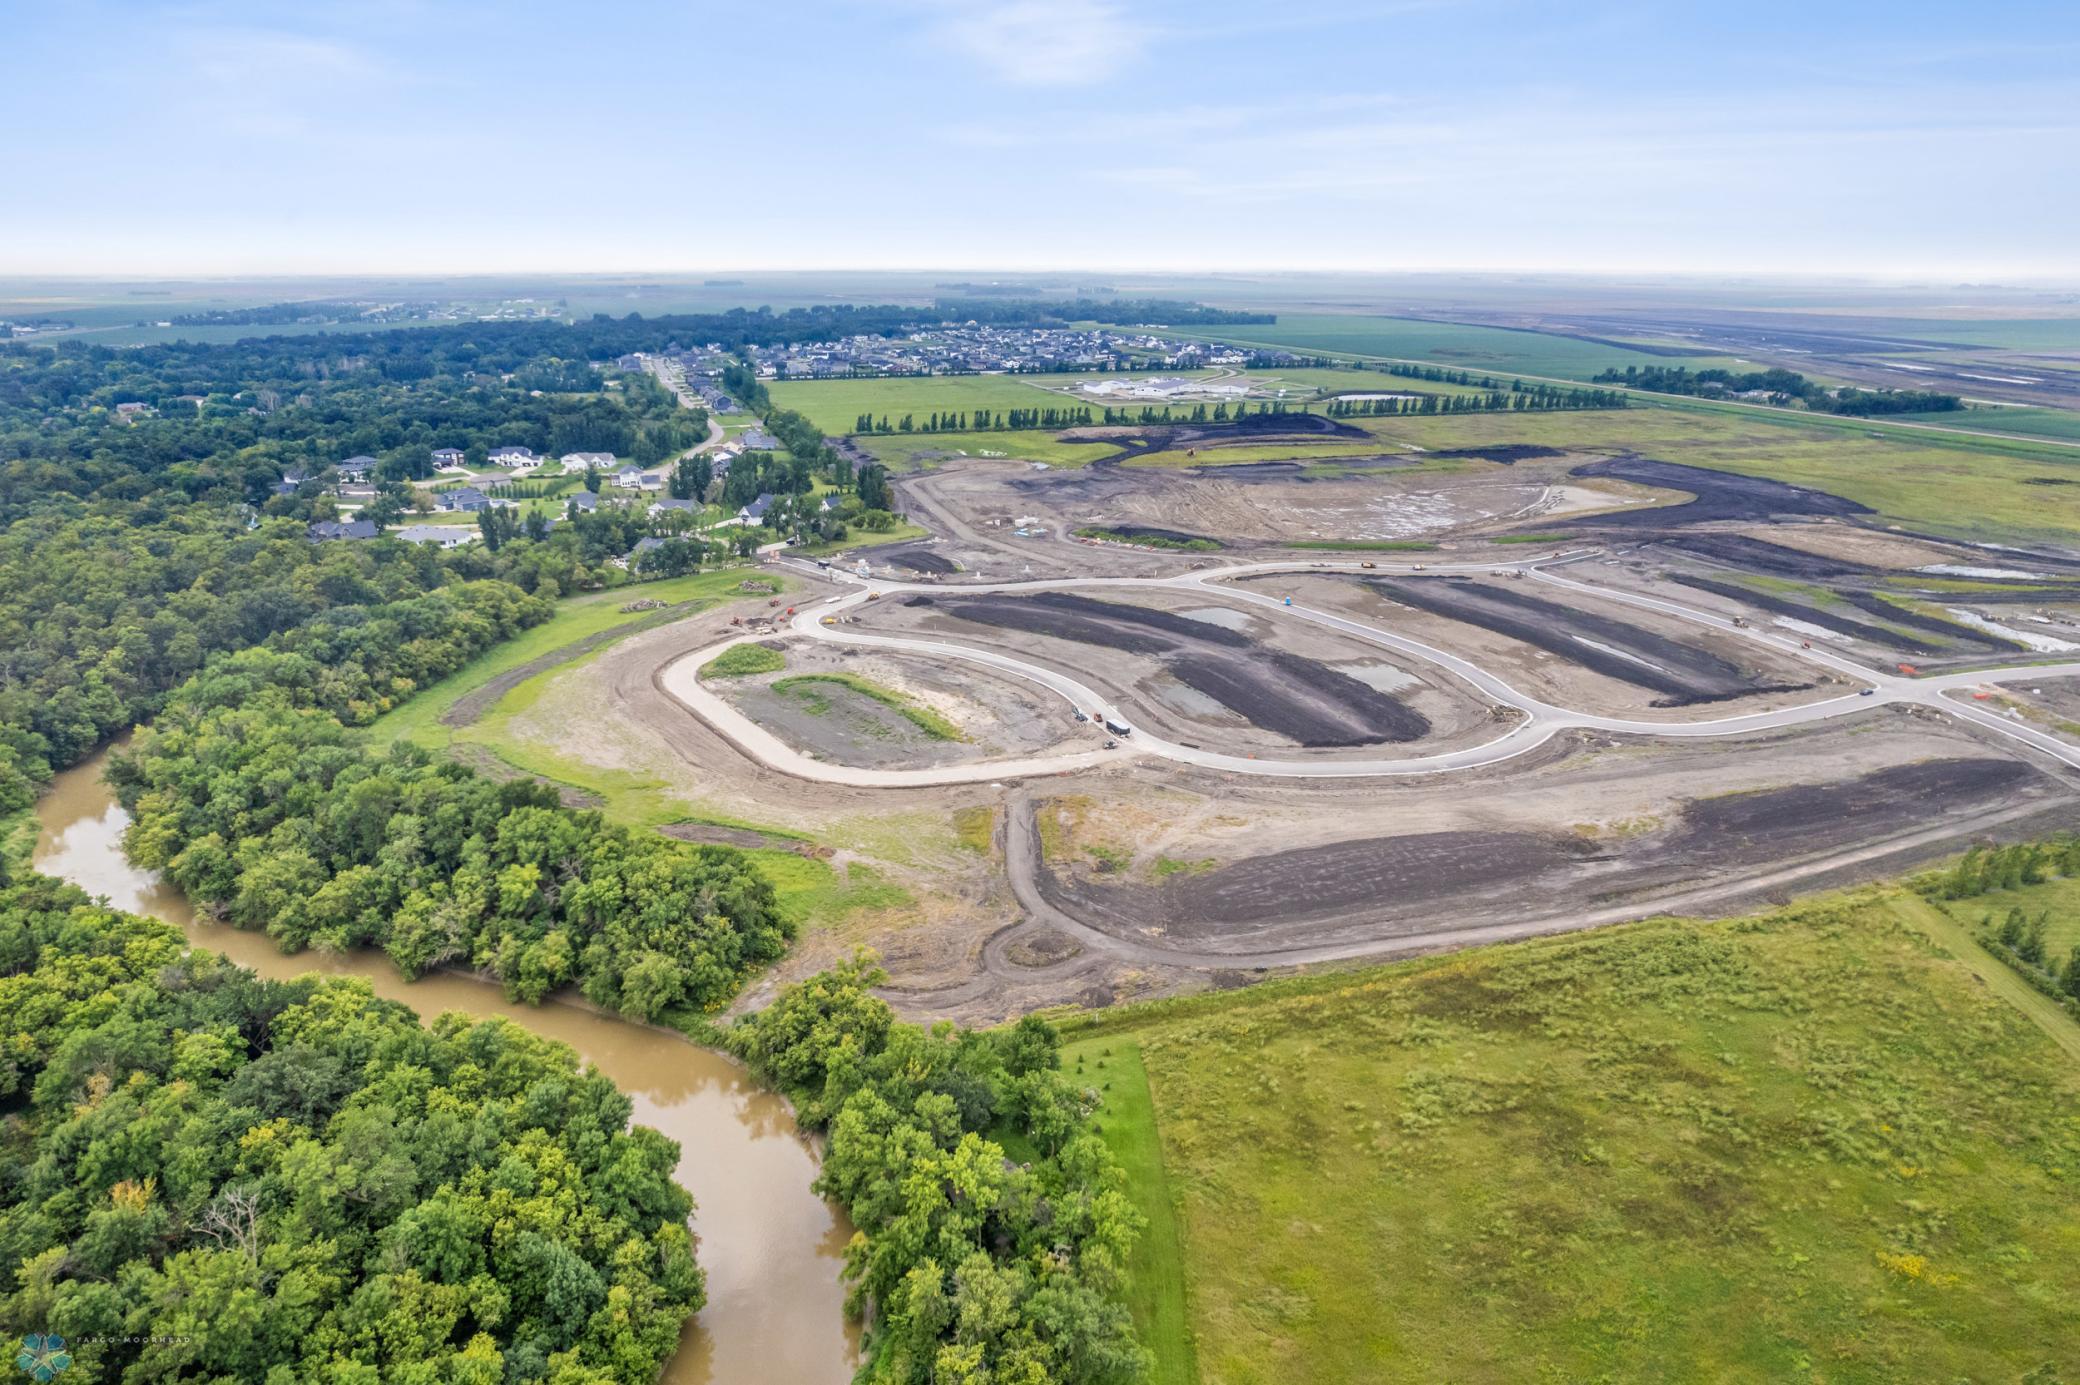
(629, 478)
(580, 461)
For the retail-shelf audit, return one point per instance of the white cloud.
(1041, 43)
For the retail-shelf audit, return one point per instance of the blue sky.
(392, 135)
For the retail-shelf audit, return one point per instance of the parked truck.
(1118, 728)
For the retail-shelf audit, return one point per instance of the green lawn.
(576, 618)
(1128, 1121)
(2036, 423)
(742, 660)
(1807, 1145)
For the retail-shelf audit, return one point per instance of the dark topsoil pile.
(1720, 495)
(1301, 699)
(1684, 674)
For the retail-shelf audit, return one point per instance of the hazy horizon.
(394, 138)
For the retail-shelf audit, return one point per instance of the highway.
(1536, 722)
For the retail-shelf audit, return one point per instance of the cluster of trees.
(1519, 398)
(208, 1176)
(970, 1266)
(106, 612)
(981, 420)
(1783, 388)
(250, 795)
(2017, 938)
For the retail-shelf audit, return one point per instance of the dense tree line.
(208, 1176)
(968, 1265)
(1518, 398)
(249, 794)
(980, 420)
(1782, 388)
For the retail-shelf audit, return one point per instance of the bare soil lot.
(1408, 884)
(918, 560)
(1291, 696)
(1683, 673)
(1000, 716)
(1759, 555)
(1717, 496)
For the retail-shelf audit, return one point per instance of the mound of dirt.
(919, 560)
(1299, 698)
(1684, 674)
(1720, 495)
(1759, 555)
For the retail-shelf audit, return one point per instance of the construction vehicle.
(1368, 563)
(1112, 745)
(774, 602)
(1740, 622)
(873, 596)
(1118, 728)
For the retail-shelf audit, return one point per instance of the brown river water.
(772, 1249)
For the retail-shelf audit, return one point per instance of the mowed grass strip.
(577, 618)
(1127, 1120)
(922, 717)
(1805, 1145)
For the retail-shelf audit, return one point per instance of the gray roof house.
(355, 468)
(327, 529)
(658, 507)
(465, 499)
(586, 501)
(757, 439)
(755, 512)
(447, 456)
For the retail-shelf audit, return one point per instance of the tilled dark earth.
(1811, 615)
(1684, 674)
(1759, 555)
(1720, 495)
(1299, 698)
(919, 560)
(1406, 885)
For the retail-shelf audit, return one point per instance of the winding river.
(771, 1248)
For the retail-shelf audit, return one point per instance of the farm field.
(1804, 1145)
(1450, 344)
(1967, 488)
(2043, 423)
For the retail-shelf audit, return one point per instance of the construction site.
(1108, 767)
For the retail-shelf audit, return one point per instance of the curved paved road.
(1538, 721)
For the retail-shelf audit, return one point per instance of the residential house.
(443, 536)
(757, 439)
(449, 459)
(586, 501)
(356, 468)
(515, 459)
(292, 479)
(325, 530)
(754, 514)
(684, 507)
(584, 461)
(642, 546)
(463, 500)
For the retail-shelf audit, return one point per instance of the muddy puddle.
(772, 1249)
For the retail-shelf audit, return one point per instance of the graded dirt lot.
(995, 716)
(1566, 648)
(1196, 670)
(1622, 830)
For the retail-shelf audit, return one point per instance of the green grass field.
(2035, 423)
(1808, 1145)
(923, 718)
(576, 618)
(2059, 898)
(921, 451)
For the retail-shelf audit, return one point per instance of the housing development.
(1088, 694)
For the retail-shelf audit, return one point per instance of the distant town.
(969, 349)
